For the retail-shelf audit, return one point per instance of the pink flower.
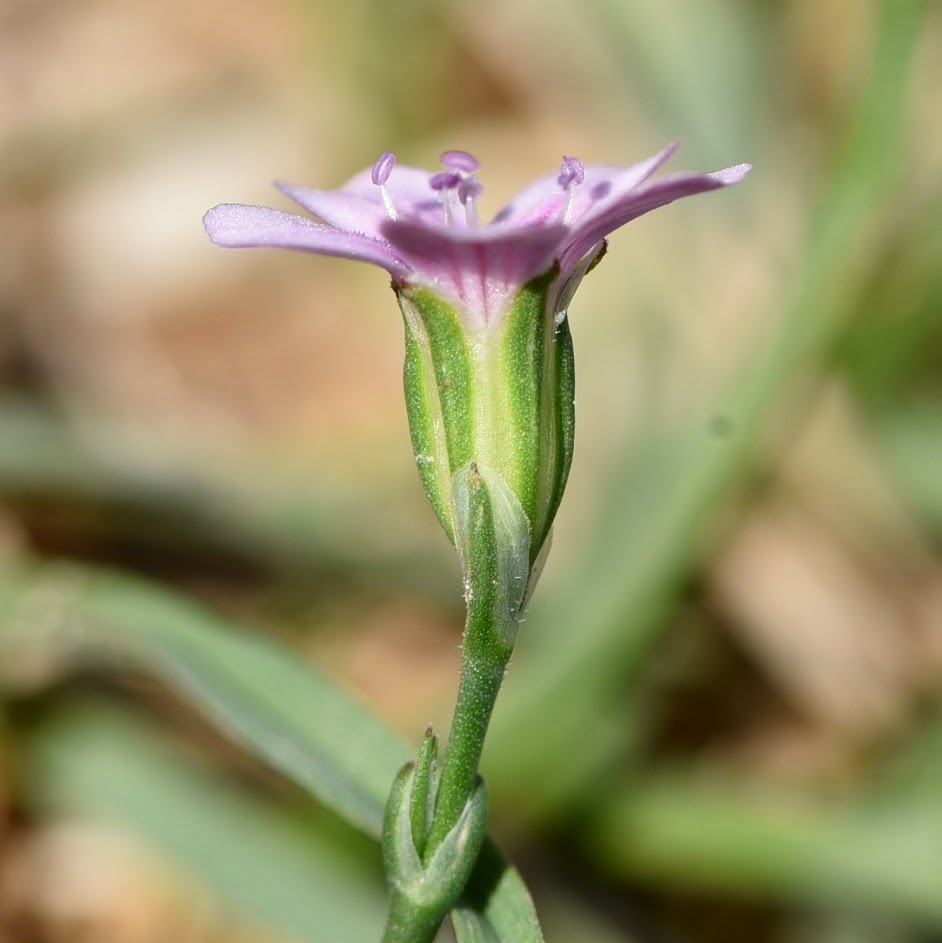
(423, 230)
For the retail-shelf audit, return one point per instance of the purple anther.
(469, 189)
(383, 168)
(571, 172)
(445, 180)
(461, 161)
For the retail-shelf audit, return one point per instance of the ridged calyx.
(498, 394)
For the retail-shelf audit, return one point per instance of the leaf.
(720, 836)
(254, 690)
(158, 494)
(497, 906)
(296, 879)
(257, 693)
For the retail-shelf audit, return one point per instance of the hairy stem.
(482, 673)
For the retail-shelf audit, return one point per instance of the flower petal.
(236, 225)
(480, 267)
(544, 199)
(343, 211)
(358, 205)
(614, 210)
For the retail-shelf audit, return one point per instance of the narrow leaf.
(254, 690)
(264, 861)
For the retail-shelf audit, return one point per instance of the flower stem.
(406, 923)
(493, 542)
(482, 673)
(430, 849)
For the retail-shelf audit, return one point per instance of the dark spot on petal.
(601, 190)
(503, 214)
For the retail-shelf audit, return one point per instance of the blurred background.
(723, 721)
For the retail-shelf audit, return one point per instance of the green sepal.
(539, 373)
(499, 393)
(439, 386)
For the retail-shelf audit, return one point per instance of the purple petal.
(730, 175)
(236, 225)
(544, 199)
(358, 205)
(613, 211)
(343, 211)
(479, 267)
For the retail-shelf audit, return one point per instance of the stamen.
(457, 184)
(571, 174)
(468, 191)
(445, 184)
(461, 161)
(379, 175)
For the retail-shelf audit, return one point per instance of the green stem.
(427, 870)
(407, 923)
(493, 542)
(482, 673)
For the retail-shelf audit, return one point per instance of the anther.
(571, 172)
(445, 180)
(383, 168)
(380, 174)
(461, 161)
